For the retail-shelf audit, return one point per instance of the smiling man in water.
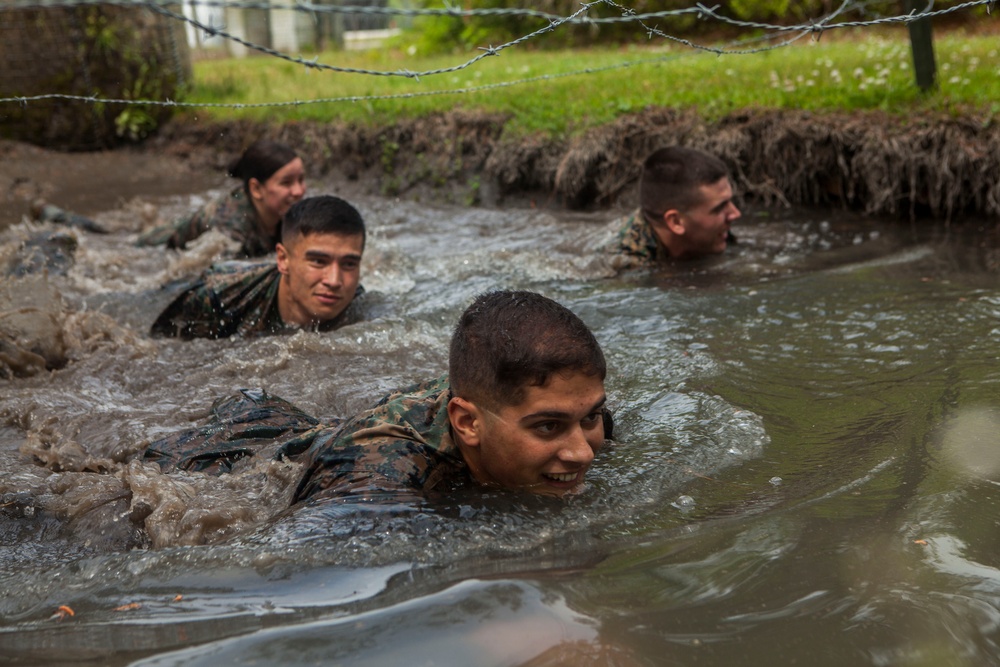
(522, 408)
(685, 210)
(311, 285)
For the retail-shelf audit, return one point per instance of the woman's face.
(276, 195)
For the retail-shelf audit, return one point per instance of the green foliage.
(841, 72)
(430, 35)
(119, 65)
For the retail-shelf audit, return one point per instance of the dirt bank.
(924, 167)
(927, 166)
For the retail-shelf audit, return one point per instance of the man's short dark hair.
(507, 341)
(325, 214)
(672, 176)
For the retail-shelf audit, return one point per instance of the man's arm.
(195, 313)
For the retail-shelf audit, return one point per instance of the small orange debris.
(62, 612)
(920, 542)
(128, 607)
(178, 598)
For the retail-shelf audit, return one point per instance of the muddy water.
(805, 470)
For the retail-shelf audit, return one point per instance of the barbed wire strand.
(812, 28)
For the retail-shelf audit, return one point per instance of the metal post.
(922, 45)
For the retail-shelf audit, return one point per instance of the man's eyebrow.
(319, 254)
(559, 414)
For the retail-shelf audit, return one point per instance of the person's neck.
(267, 222)
(669, 243)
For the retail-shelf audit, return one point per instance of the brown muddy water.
(805, 471)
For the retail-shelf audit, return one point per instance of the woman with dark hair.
(273, 179)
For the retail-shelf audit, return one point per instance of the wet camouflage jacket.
(402, 446)
(232, 214)
(636, 244)
(236, 298)
(250, 423)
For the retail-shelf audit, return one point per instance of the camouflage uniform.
(232, 214)
(236, 298)
(636, 244)
(403, 445)
(250, 423)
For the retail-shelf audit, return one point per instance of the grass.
(860, 71)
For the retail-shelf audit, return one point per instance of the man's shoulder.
(402, 443)
(404, 404)
(227, 298)
(635, 243)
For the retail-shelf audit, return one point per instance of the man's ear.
(465, 420)
(281, 254)
(674, 221)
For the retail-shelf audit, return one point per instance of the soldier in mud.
(521, 408)
(685, 210)
(312, 283)
(273, 179)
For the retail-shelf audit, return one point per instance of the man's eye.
(592, 420)
(547, 428)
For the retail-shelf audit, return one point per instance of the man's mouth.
(327, 298)
(563, 477)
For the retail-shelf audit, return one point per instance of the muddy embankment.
(922, 167)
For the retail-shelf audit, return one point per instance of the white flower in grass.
(858, 72)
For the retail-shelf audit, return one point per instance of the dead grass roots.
(938, 167)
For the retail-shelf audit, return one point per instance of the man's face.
(546, 443)
(706, 225)
(319, 276)
(279, 192)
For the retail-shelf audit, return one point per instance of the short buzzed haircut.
(325, 214)
(672, 176)
(507, 341)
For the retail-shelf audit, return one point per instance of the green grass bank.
(837, 121)
(565, 92)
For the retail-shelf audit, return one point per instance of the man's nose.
(734, 213)
(577, 448)
(333, 275)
